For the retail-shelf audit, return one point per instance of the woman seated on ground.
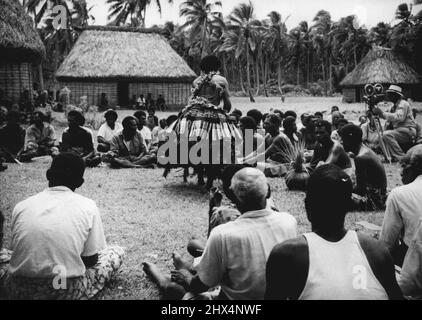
(78, 140)
(59, 250)
(128, 149)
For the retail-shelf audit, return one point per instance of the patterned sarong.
(78, 288)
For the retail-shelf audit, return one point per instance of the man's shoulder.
(290, 248)
(285, 219)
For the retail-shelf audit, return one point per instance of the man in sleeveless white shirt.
(331, 263)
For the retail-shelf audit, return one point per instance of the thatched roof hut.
(382, 66)
(123, 62)
(20, 48)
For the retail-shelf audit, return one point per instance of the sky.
(369, 12)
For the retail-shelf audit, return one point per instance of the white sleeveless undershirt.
(340, 271)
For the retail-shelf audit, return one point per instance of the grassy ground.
(152, 217)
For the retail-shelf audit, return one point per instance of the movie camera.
(374, 94)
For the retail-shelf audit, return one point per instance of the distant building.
(21, 50)
(382, 66)
(123, 62)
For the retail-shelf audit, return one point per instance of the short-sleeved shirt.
(79, 140)
(236, 253)
(411, 274)
(52, 230)
(146, 135)
(107, 133)
(403, 212)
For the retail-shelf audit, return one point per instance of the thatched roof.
(381, 65)
(111, 53)
(19, 41)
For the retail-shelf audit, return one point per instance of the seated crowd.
(253, 247)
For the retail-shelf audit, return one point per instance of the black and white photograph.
(235, 152)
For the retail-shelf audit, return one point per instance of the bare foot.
(178, 262)
(152, 271)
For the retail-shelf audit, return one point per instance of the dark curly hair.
(210, 64)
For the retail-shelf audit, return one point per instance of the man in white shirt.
(108, 130)
(236, 252)
(58, 243)
(410, 279)
(404, 207)
(142, 128)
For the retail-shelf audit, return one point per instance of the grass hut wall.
(20, 49)
(122, 63)
(382, 66)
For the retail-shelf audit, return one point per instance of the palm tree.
(380, 34)
(278, 42)
(242, 21)
(121, 10)
(199, 15)
(320, 33)
(297, 48)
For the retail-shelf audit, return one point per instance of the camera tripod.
(380, 132)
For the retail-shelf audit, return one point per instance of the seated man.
(410, 280)
(326, 151)
(12, 137)
(402, 123)
(142, 127)
(108, 130)
(404, 207)
(370, 135)
(252, 140)
(251, 237)
(331, 263)
(128, 148)
(159, 133)
(278, 151)
(78, 140)
(371, 179)
(58, 243)
(308, 132)
(152, 119)
(290, 130)
(257, 116)
(40, 138)
(335, 135)
(161, 103)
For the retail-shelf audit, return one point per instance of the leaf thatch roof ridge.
(19, 40)
(381, 65)
(137, 54)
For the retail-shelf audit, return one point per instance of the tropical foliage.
(259, 56)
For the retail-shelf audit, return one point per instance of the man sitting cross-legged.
(77, 139)
(326, 150)
(276, 155)
(371, 179)
(404, 207)
(40, 138)
(58, 243)
(236, 252)
(331, 263)
(128, 149)
(108, 130)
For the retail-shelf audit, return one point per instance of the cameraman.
(402, 121)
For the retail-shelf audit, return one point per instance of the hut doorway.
(123, 94)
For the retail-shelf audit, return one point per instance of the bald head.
(250, 188)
